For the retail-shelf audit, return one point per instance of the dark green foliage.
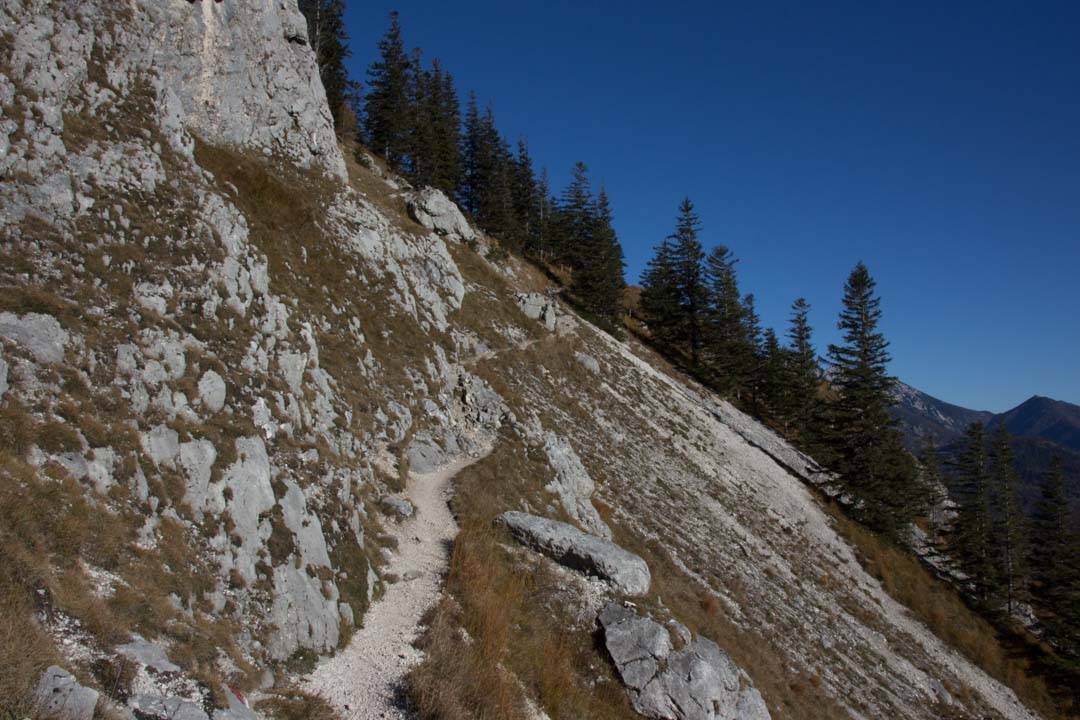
(598, 282)
(802, 407)
(1008, 525)
(730, 357)
(388, 114)
(970, 541)
(687, 257)
(868, 451)
(934, 484)
(330, 43)
(1055, 562)
(434, 152)
(660, 297)
(774, 384)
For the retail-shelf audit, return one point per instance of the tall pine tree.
(1009, 531)
(387, 113)
(330, 43)
(870, 458)
(804, 373)
(970, 541)
(687, 257)
(728, 356)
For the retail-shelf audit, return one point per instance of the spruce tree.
(329, 42)
(970, 541)
(687, 257)
(388, 117)
(1052, 556)
(660, 296)
(576, 213)
(526, 198)
(472, 147)
(752, 355)
(599, 284)
(446, 174)
(1009, 531)
(869, 452)
(727, 352)
(804, 372)
(774, 380)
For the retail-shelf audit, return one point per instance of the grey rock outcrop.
(568, 546)
(397, 506)
(59, 696)
(40, 334)
(432, 209)
(538, 307)
(156, 707)
(573, 485)
(148, 654)
(3, 377)
(212, 391)
(697, 682)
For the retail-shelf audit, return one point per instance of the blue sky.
(937, 142)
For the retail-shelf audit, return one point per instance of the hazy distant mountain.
(1044, 418)
(920, 414)
(1042, 428)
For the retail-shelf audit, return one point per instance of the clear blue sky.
(938, 142)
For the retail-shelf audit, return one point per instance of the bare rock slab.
(59, 696)
(568, 546)
(697, 682)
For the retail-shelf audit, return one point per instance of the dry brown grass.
(937, 605)
(500, 629)
(295, 705)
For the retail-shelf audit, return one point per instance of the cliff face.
(224, 345)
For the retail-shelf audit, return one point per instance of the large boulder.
(568, 546)
(538, 307)
(432, 209)
(59, 696)
(696, 682)
(40, 334)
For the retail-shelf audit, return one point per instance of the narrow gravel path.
(365, 681)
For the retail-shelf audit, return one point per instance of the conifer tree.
(599, 284)
(774, 381)
(330, 43)
(1009, 532)
(971, 533)
(660, 296)
(446, 173)
(869, 453)
(576, 213)
(804, 372)
(1055, 561)
(687, 257)
(728, 355)
(526, 198)
(387, 110)
(472, 147)
(752, 355)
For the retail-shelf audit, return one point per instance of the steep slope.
(225, 345)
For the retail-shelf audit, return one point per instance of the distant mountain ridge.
(1041, 427)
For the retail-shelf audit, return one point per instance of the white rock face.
(40, 334)
(3, 377)
(538, 307)
(568, 546)
(162, 444)
(59, 695)
(432, 209)
(573, 485)
(212, 391)
(247, 483)
(197, 460)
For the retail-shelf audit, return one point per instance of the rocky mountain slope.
(230, 357)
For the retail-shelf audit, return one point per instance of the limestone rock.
(432, 209)
(60, 696)
(697, 682)
(573, 485)
(397, 506)
(568, 546)
(162, 444)
(212, 391)
(148, 654)
(39, 334)
(538, 307)
(155, 707)
(3, 377)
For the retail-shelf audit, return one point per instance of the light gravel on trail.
(365, 681)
